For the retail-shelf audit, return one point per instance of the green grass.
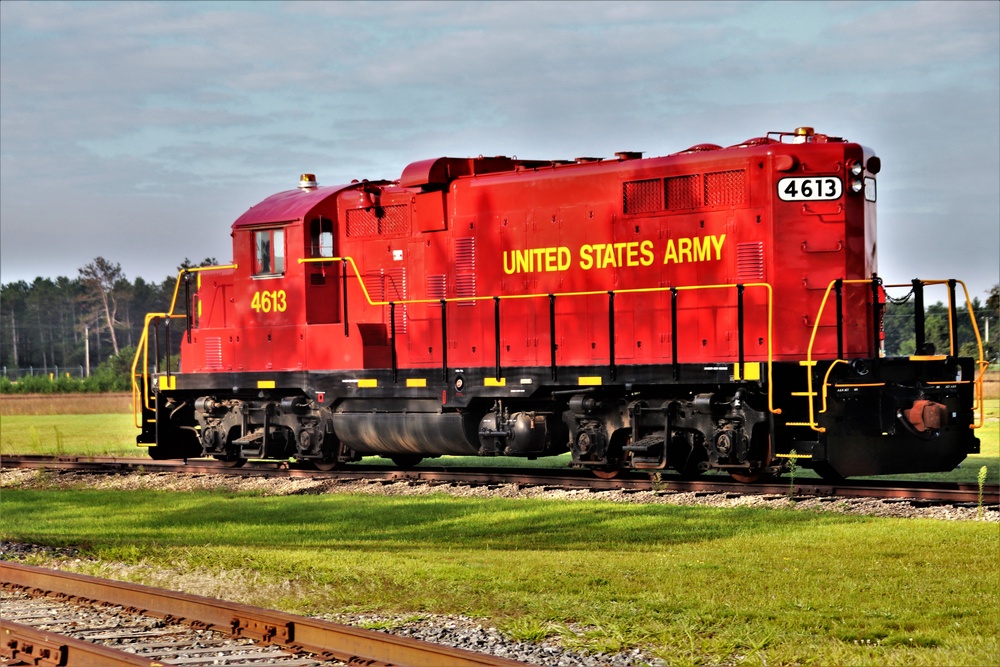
(693, 585)
(75, 435)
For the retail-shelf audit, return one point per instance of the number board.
(267, 301)
(810, 188)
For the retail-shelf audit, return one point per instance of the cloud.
(161, 122)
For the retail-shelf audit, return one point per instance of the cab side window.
(321, 237)
(269, 252)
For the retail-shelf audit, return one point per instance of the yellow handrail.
(634, 290)
(809, 363)
(142, 350)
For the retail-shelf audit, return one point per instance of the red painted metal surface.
(457, 228)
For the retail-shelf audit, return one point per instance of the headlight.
(856, 169)
(857, 185)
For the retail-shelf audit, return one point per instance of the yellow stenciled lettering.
(646, 249)
(702, 248)
(509, 267)
(717, 242)
(266, 301)
(632, 254)
(684, 249)
(697, 249)
(542, 260)
(586, 257)
(670, 255)
(564, 258)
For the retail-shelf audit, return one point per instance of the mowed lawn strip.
(694, 585)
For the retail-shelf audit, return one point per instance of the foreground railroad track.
(140, 625)
(929, 492)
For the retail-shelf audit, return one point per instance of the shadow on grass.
(379, 522)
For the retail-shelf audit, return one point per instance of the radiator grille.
(725, 188)
(365, 221)
(642, 196)
(683, 192)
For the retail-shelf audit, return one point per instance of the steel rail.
(25, 645)
(323, 638)
(564, 478)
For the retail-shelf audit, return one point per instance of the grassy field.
(693, 585)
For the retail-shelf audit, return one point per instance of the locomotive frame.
(341, 360)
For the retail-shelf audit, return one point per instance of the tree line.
(97, 318)
(68, 324)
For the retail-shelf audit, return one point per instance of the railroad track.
(926, 492)
(59, 618)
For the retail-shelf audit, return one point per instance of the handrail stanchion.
(953, 317)
(876, 313)
(838, 287)
(392, 333)
(444, 340)
(611, 334)
(919, 328)
(496, 330)
(673, 333)
(552, 335)
(740, 331)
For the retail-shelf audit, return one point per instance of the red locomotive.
(717, 308)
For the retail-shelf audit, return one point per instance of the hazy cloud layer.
(140, 131)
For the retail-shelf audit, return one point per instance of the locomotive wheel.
(606, 473)
(325, 465)
(746, 478)
(406, 460)
(235, 462)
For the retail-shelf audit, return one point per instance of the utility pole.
(86, 349)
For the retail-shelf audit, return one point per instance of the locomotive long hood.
(288, 206)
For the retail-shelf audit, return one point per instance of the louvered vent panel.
(465, 269)
(437, 286)
(395, 289)
(389, 285)
(683, 192)
(374, 284)
(642, 196)
(213, 353)
(365, 222)
(725, 188)
(750, 261)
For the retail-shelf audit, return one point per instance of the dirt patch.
(64, 404)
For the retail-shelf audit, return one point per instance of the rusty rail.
(323, 638)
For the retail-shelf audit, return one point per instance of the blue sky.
(140, 131)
